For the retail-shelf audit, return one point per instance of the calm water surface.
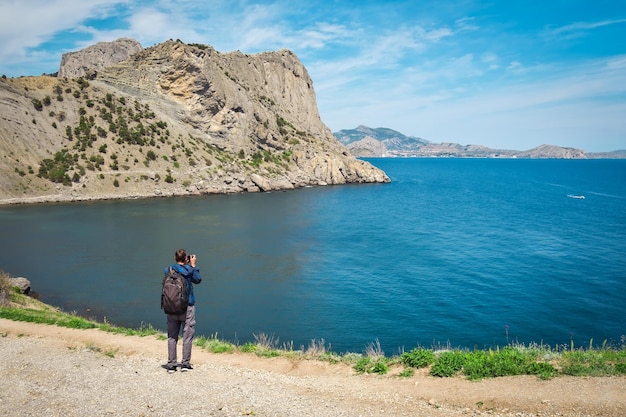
(452, 251)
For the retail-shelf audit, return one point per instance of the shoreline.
(61, 198)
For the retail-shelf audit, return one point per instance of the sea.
(453, 253)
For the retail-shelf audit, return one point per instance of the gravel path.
(52, 371)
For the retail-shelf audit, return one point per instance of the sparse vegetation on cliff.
(168, 111)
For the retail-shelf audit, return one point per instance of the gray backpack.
(174, 296)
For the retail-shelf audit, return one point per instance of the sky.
(504, 74)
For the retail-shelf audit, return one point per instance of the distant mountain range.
(383, 142)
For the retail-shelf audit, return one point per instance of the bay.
(453, 252)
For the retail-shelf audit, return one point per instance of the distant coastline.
(383, 142)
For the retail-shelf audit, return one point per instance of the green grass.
(543, 362)
(69, 320)
(214, 345)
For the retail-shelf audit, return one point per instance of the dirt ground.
(59, 371)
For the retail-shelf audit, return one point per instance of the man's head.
(181, 256)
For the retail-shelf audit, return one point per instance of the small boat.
(580, 197)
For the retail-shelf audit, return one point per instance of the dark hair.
(180, 255)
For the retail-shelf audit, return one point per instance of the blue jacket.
(192, 275)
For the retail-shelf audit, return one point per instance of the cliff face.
(171, 119)
(98, 56)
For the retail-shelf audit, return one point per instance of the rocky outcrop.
(21, 283)
(172, 119)
(368, 147)
(98, 56)
(551, 151)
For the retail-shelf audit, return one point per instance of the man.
(186, 266)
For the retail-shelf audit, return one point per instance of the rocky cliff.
(96, 57)
(172, 119)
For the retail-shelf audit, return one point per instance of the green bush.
(248, 347)
(418, 358)
(543, 370)
(56, 169)
(372, 366)
(490, 364)
(37, 104)
(449, 363)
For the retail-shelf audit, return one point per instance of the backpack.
(174, 296)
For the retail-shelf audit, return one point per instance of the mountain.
(377, 142)
(383, 142)
(121, 121)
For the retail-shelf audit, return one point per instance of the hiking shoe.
(184, 367)
(170, 368)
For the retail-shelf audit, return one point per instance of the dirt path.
(48, 370)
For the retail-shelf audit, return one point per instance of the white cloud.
(514, 65)
(577, 28)
(491, 60)
(28, 24)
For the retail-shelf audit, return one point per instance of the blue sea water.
(460, 252)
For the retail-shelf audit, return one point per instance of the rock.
(22, 283)
(96, 57)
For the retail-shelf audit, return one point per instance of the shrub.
(56, 169)
(418, 358)
(543, 370)
(593, 362)
(248, 347)
(449, 364)
(37, 104)
(489, 364)
(372, 366)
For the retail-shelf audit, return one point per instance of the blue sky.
(505, 74)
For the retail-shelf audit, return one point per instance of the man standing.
(186, 266)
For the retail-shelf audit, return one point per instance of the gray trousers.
(174, 323)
